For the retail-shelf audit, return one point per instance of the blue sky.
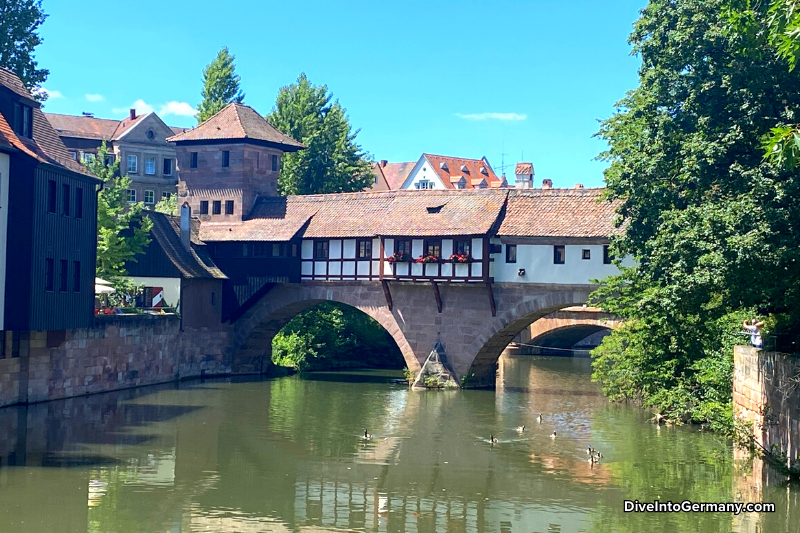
(460, 78)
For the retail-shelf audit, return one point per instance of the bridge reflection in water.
(285, 455)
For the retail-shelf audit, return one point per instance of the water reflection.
(288, 455)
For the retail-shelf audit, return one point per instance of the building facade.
(432, 172)
(139, 143)
(48, 224)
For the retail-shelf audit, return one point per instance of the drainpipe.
(96, 213)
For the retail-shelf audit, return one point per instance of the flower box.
(399, 257)
(460, 258)
(427, 259)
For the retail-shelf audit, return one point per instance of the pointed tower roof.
(238, 122)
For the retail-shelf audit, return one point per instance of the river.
(287, 455)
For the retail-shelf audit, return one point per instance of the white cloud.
(177, 108)
(492, 116)
(48, 92)
(94, 97)
(170, 108)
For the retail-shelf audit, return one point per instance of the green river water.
(286, 455)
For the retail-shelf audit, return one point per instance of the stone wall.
(118, 352)
(766, 395)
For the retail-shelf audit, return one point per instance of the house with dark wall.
(48, 224)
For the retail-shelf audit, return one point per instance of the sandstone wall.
(118, 352)
(766, 394)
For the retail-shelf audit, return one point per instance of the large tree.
(123, 229)
(713, 225)
(333, 161)
(19, 22)
(220, 85)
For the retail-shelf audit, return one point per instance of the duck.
(539, 418)
(553, 434)
(520, 429)
(493, 440)
(366, 436)
(590, 450)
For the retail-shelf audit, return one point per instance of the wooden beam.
(380, 265)
(491, 299)
(438, 296)
(387, 294)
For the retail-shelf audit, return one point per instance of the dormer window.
(484, 171)
(464, 169)
(443, 166)
(23, 120)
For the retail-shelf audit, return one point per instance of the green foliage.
(409, 375)
(123, 230)
(712, 224)
(220, 86)
(168, 206)
(19, 22)
(332, 162)
(334, 336)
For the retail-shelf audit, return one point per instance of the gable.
(138, 132)
(423, 172)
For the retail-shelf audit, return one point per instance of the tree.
(19, 22)
(123, 229)
(220, 86)
(713, 225)
(168, 206)
(332, 162)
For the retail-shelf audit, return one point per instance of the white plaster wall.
(319, 268)
(307, 268)
(363, 268)
(476, 250)
(171, 286)
(307, 249)
(348, 268)
(447, 249)
(423, 172)
(335, 268)
(537, 260)
(388, 245)
(4, 179)
(349, 249)
(416, 248)
(334, 249)
(376, 249)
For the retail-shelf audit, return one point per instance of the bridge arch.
(473, 339)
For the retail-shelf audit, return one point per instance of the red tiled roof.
(524, 168)
(45, 146)
(396, 173)
(83, 127)
(473, 171)
(558, 213)
(126, 124)
(237, 121)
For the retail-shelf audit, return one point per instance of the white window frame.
(131, 196)
(133, 168)
(74, 155)
(166, 195)
(150, 166)
(424, 185)
(152, 196)
(88, 157)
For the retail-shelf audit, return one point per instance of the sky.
(509, 80)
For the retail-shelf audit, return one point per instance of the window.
(167, 167)
(274, 163)
(65, 199)
(150, 165)
(228, 207)
(364, 248)
(260, 249)
(78, 202)
(193, 163)
(217, 207)
(73, 155)
(607, 257)
(51, 196)
(131, 196)
(62, 280)
(204, 207)
(149, 197)
(166, 195)
(23, 120)
(586, 254)
(375, 179)
(88, 157)
(433, 247)
(48, 274)
(559, 254)
(320, 249)
(424, 184)
(511, 253)
(226, 158)
(76, 276)
(110, 159)
(402, 247)
(461, 246)
(280, 249)
(133, 164)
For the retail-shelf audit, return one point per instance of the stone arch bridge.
(474, 322)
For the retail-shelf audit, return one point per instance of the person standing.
(754, 328)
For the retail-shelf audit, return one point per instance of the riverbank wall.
(766, 397)
(117, 352)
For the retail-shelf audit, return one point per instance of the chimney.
(547, 184)
(384, 162)
(186, 226)
(133, 114)
(579, 185)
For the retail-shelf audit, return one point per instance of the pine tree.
(123, 230)
(19, 20)
(333, 161)
(220, 86)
